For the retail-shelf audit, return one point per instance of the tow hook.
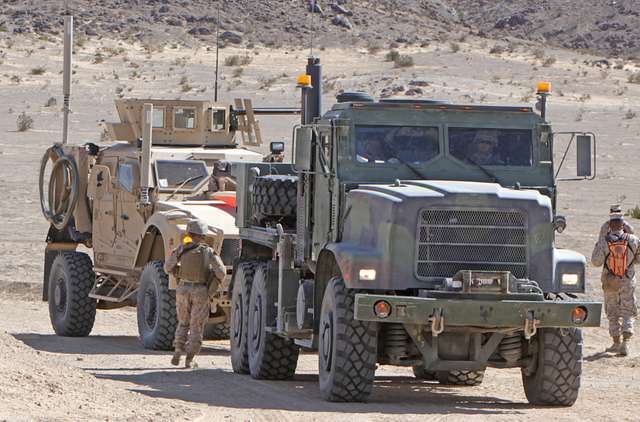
(530, 325)
(437, 322)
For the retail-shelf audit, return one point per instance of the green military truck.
(411, 233)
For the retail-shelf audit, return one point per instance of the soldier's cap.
(490, 136)
(616, 216)
(615, 209)
(197, 226)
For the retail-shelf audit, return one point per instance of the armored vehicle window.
(394, 144)
(158, 117)
(125, 176)
(219, 119)
(171, 174)
(492, 147)
(184, 118)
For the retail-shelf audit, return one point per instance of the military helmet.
(614, 209)
(197, 226)
(486, 135)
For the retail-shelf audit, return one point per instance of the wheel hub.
(60, 295)
(237, 321)
(326, 333)
(257, 324)
(150, 308)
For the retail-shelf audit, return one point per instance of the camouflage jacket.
(601, 253)
(206, 266)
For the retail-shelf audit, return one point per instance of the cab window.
(125, 177)
(492, 147)
(158, 118)
(184, 118)
(396, 144)
(218, 119)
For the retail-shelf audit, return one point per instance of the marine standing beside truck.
(617, 252)
(199, 270)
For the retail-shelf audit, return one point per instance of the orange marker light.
(304, 81)
(382, 309)
(544, 87)
(579, 315)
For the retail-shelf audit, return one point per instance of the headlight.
(570, 279)
(367, 274)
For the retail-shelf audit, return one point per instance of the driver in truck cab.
(198, 269)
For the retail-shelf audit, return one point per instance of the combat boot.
(189, 363)
(175, 360)
(615, 347)
(624, 347)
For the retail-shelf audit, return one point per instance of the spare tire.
(275, 198)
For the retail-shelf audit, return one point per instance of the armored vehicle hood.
(213, 213)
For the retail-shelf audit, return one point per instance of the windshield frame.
(185, 189)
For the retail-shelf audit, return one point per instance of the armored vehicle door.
(104, 224)
(325, 195)
(129, 222)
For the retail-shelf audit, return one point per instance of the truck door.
(129, 222)
(324, 207)
(104, 224)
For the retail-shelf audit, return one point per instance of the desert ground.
(109, 376)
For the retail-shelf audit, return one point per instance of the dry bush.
(237, 60)
(98, 58)
(630, 115)
(403, 61)
(237, 72)
(16, 79)
(454, 47)
(538, 54)
(181, 61)
(40, 70)
(634, 78)
(373, 47)
(549, 61)
(392, 56)
(51, 102)
(266, 83)
(24, 122)
(634, 212)
(584, 97)
(497, 49)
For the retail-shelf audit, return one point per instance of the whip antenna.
(215, 88)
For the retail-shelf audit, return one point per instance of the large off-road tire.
(275, 197)
(556, 380)
(241, 293)
(71, 310)
(422, 374)
(463, 378)
(156, 308)
(216, 331)
(347, 351)
(270, 356)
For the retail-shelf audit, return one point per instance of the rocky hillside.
(605, 26)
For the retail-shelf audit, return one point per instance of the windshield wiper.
(184, 182)
(491, 175)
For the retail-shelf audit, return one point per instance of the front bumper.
(488, 314)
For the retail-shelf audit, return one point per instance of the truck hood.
(215, 213)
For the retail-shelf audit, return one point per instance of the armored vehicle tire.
(243, 279)
(422, 374)
(156, 308)
(270, 356)
(347, 349)
(463, 378)
(556, 380)
(275, 197)
(216, 331)
(71, 310)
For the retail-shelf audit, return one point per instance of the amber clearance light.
(579, 315)
(382, 309)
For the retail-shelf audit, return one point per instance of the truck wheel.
(422, 374)
(270, 356)
(275, 197)
(347, 349)
(466, 378)
(71, 311)
(216, 331)
(556, 380)
(156, 308)
(243, 279)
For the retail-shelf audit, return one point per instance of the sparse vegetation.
(266, 83)
(538, 53)
(548, 62)
(185, 86)
(634, 212)
(374, 48)
(403, 61)
(392, 56)
(24, 122)
(454, 47)
(497, 49)
(15, 79)
(51, 102)
(40, 70)
(238, 60)
(630, 114)
(237, 72)
(98, 58)
(634, 78)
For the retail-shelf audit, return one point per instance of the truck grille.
(452, 240)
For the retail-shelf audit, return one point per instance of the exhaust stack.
(66, 82)
(313, 103)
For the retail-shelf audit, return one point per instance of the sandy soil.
(44, 377)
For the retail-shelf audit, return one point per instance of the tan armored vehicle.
(126, 205)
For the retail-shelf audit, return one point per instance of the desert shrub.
(24, 122)
(403, 61)
(40, 70)
(51, 102)
(392, 56)
(237, 72)
(630, 114)
(634, 212)
(98, 58)
(497, 49)
(634, 78)
(549, 61)
(237, 60)
(374, 48)
(538, 53)
(16, 79)
(454, 47)
(266, 83)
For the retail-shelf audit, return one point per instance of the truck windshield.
(492, 147)
(396, 144)
(171, 174)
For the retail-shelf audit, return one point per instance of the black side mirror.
(276, 147)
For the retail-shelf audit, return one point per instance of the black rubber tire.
(71, 311)
(460, 378)
(270, 356)
(556, 381)
(216, 331)
(156, 308)
(347, 352)
(241, 293)
(422, 374)
(275, 197)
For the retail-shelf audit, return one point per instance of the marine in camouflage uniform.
(198, 270)
(619, 290)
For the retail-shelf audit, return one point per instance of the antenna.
(66, 78)
(215, 89)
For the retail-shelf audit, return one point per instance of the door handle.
(124, 217)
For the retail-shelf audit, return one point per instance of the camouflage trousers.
(620, 305)
(192, 305)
